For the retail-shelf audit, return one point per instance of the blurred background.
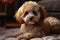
(7, 10)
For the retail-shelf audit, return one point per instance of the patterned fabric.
(4, 31)
(51, 5)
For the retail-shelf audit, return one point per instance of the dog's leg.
(13, 35)
(25, 36)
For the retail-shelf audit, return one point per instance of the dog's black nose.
(31, 18)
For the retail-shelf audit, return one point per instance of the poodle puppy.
(33, 21)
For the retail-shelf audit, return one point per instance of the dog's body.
(54, 24)
(34, 21)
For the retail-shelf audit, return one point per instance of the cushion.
(54, 14)
(52, 5)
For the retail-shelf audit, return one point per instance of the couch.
(52, 7)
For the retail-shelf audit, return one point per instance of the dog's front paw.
(25, 36)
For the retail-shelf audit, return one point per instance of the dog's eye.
(25, 14)
(34, 13)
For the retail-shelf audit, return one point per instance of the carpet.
(4, 31)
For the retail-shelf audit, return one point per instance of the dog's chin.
(30, 22)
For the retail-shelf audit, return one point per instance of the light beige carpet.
(4, 31)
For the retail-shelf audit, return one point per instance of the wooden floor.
(12, 25)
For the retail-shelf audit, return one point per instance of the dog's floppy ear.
(18, 15)
(43, 11)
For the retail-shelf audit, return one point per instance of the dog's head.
(30, 12)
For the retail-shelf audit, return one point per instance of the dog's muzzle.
(30, 18)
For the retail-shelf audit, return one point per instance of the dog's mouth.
(30, 20)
